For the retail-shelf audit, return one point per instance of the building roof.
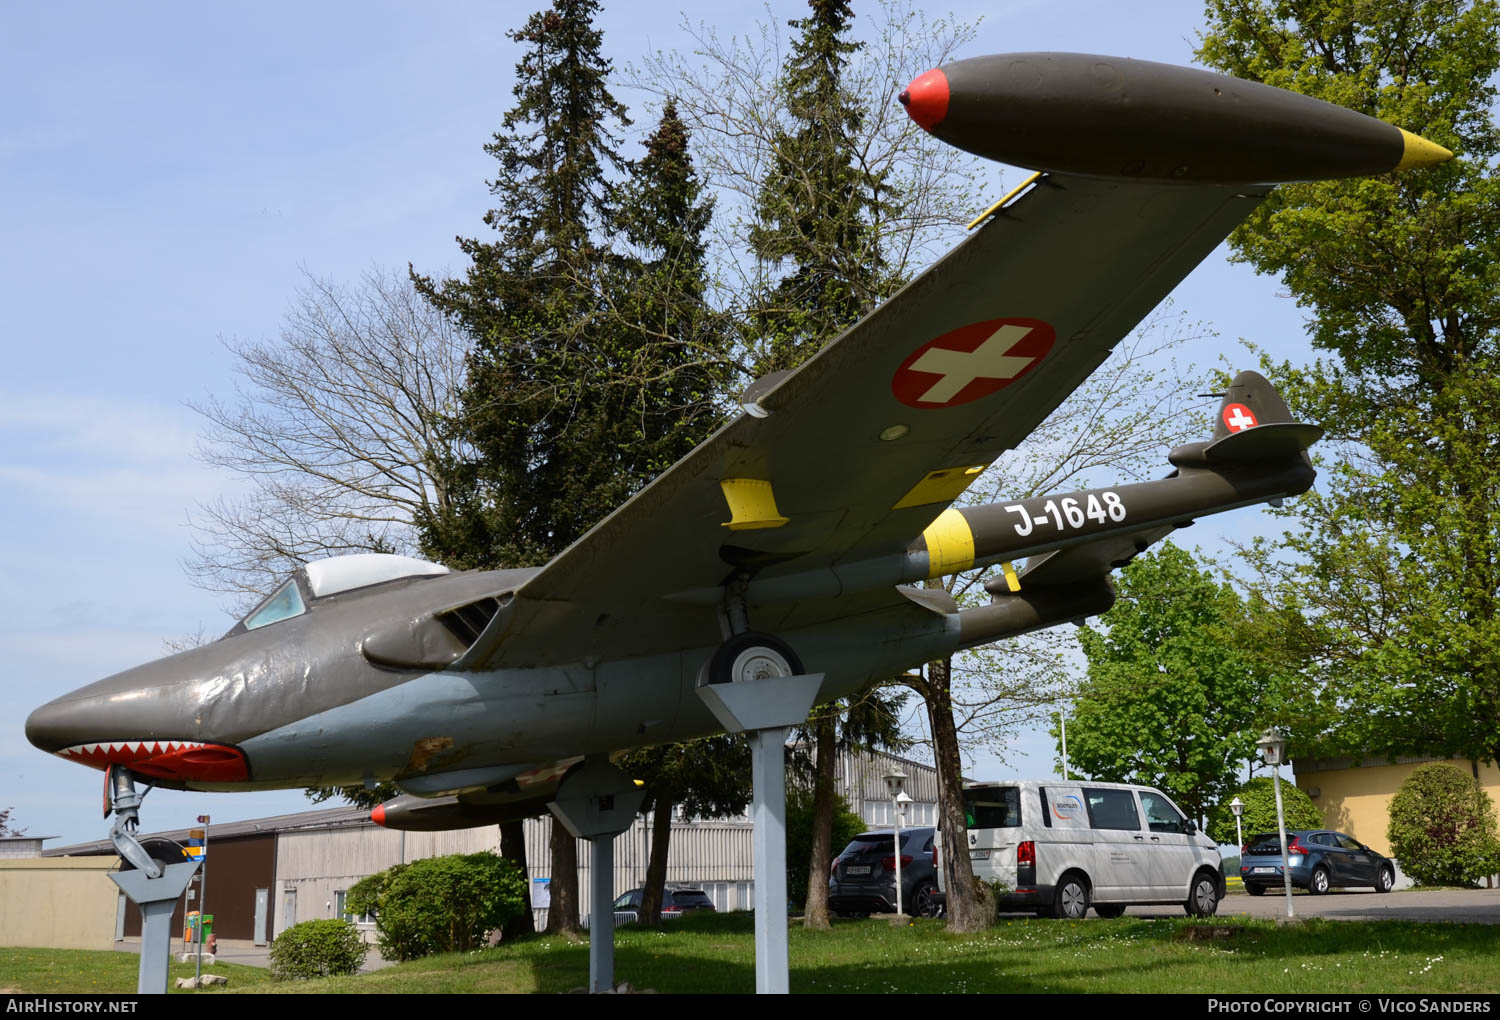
(323, 818)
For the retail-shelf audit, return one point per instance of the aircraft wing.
(853, 454)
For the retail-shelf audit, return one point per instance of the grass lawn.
(716, 954)
(86, 971)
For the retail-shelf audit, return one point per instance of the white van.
(1059, 847)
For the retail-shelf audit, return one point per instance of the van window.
(1112, 809)
(993, 807)
(1161, 816)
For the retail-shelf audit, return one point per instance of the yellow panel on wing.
(941, 486)
(752, 504)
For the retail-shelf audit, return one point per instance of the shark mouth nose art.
(165, 759)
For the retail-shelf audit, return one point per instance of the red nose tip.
(926, 99)
(378, 815)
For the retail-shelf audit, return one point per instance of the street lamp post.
(1238, 807)
(895, 782)
(1273, 749)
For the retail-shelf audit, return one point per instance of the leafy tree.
(312, 949)
(1442, 828)
(339, 426)
(868, 721)
(1170, 701)
(1386, 592)
(1259, 797)
(440, 904)
(706, 778)
(801, 815)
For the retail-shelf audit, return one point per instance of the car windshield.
(283, 605)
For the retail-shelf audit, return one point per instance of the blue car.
(1318, 860)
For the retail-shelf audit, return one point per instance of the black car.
(1318, 860)
(674, 902)
(864, 875)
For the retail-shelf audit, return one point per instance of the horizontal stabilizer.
(1267, 442)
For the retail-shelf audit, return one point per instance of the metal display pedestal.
(765, 708)
(598, 802)
(156, 898)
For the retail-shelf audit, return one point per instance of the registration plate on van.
(979, 855)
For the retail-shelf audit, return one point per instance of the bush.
(440, 904)
(1442, 828)
(316, 949)
(1259, 796)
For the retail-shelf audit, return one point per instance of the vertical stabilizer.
(1250, 401)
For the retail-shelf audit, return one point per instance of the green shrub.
(316, 949)
(1259, 796)
(1442, 828)
(440, 904)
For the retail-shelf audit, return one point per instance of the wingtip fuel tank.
(1114, 117)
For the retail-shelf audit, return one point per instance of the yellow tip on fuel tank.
(1419, 151)
(950, 544)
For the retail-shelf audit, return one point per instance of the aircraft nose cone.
(926, 99)
(58, 724)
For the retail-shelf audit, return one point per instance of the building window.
(352, 918)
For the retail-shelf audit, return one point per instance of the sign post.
(198, 847)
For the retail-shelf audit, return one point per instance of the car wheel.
(1387, 880)
(1318, 884)
(1072, 898)
(926, 903)
(1203, 897)
(1255, 890)
(1109, 909)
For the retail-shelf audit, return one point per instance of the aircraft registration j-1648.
(797, 538)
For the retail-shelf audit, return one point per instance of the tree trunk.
(513, 848)
(562, 915)
(815, 910)
(971, 906)
(656, 867)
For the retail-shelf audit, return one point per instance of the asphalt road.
(1466, 906)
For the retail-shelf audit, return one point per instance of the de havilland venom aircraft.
(797, 538)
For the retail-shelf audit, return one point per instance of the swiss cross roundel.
(1238, 418)
(972, 361)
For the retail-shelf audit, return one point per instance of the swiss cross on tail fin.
(1250, 401)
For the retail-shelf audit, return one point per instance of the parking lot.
(1472, 906)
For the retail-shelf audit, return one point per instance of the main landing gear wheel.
(752, 656)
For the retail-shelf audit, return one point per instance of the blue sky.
(168, 170)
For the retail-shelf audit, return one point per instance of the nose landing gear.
(152, 875)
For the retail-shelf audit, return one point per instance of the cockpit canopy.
(332, 576)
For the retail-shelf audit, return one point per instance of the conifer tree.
(532, 419)
(597, 361)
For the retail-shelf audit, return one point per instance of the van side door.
(1170, 850)
(1119, 844)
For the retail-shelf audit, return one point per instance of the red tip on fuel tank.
(378, 815)
(926, 99)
